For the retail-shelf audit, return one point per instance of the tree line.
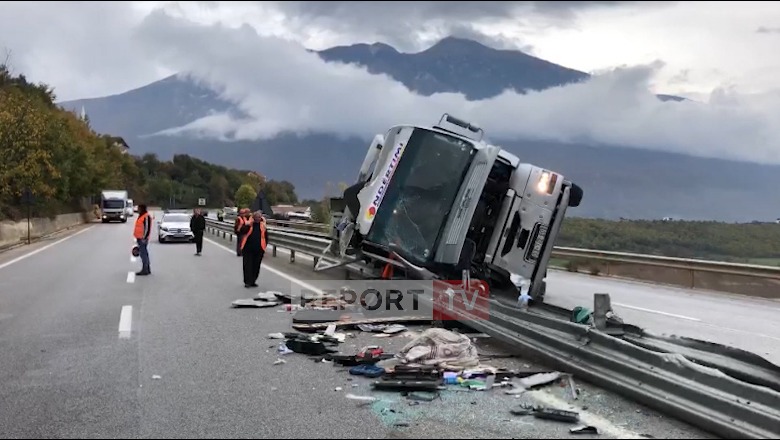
(55, 155)
(683, 239)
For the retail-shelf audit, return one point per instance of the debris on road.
(437, 347)
(575, 393)
(156, 377)
(254, 303)
(556, 415)
(546, 413)
(280, 362)
(364, 399)
(585, 430)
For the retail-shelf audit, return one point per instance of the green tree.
(218, 190)
(245, 195)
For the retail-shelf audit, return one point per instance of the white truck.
(441, 201)
(113, 204)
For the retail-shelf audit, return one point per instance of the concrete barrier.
(12, 233)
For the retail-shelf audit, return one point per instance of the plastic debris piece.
(539, 380)
(283, 350)
(251, 303)
(266, 296)
(276, 336)
(573, 388)
(280, 362)
(395, 329)
(339, 389)
(366, 399)
(156, 377)
(585, 430)
(556, 415)
(423, 397)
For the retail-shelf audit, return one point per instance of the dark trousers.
(252, 261)
(199, 241)
(238, 244)
(143, 246)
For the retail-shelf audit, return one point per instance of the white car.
(175, 226)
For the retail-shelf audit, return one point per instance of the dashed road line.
(126, 322)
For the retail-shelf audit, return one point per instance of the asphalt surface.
(739, 321)
(191, 366)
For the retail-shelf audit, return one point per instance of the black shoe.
(143, 273)
(254, 285)
(248, 286)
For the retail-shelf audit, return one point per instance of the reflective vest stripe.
(140, 226)
(262, 235)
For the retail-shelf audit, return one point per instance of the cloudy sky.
(724, 55)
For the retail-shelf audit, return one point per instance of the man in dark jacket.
(253, 244)
(198, 227)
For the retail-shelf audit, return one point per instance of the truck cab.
(441, 200)
(113, 204)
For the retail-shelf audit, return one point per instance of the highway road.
(88, 350)
(748, 323)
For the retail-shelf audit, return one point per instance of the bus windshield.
(420, 196)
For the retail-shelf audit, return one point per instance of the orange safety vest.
(139, 225)
(262, 235)
(240, 222)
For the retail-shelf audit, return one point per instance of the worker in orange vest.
(253, 243)
(142, 232)
(244, 215)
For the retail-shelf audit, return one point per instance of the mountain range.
(619, 182)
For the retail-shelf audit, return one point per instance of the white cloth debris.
(440, 348)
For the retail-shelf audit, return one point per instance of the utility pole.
(28, 199)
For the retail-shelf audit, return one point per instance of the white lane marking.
(589, 419)
(671, 315)
(48, 246)
(303, 284)
(744, 332)
(131, 277)
(126, 322)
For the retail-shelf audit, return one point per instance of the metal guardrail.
(712, 388)
(718, 267)
(674, 382)
(693, 266)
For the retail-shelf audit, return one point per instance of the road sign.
(27, 197)
(202, 202)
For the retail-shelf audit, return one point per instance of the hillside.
(619, 182)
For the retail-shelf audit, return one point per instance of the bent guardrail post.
(602, 305)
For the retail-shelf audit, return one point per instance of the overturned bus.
(438, 201)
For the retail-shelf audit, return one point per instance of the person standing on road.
(142, 232)
(253, 244)
(241, 219)
(198, 227)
